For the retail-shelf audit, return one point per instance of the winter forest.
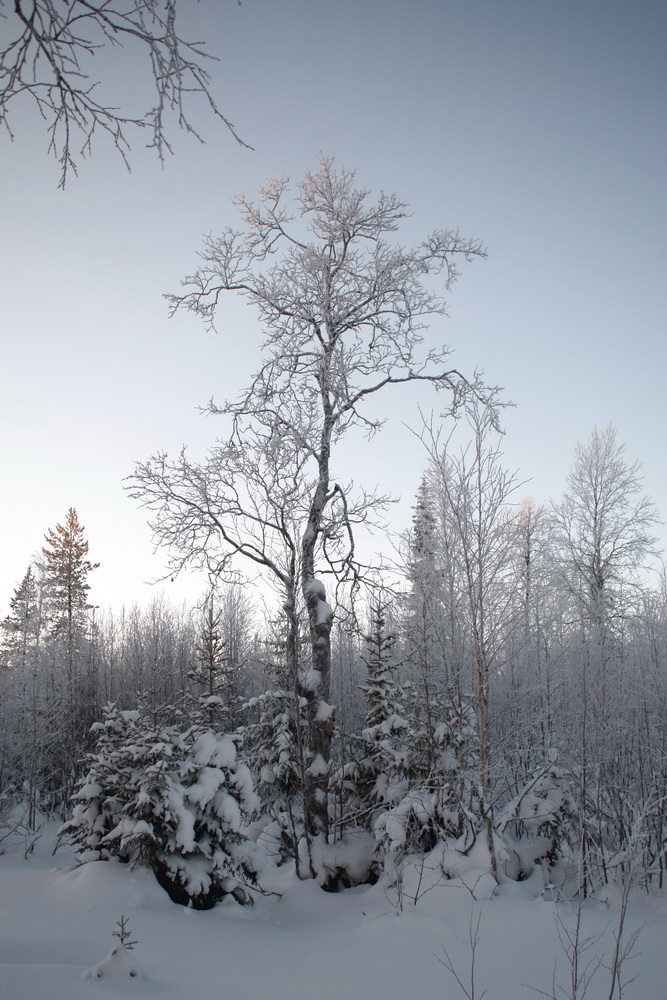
(481, 689)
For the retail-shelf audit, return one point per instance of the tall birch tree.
(343, 307)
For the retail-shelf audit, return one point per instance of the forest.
(491, 685)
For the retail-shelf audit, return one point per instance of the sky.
(536, 126)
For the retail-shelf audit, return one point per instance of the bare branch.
(48, 60)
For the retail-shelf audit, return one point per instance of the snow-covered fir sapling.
(119, 965)
(538, 824)
(362, 780)
(371, 760)
(174, 801)
(124, 934)
(100, 796)
(427, 799)
(408, 781)
(277, 744)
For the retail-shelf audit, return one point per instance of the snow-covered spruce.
(274, 744)
(409, 779)
(176, 802)
(538, 825)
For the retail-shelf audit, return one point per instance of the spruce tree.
(209, 671)
(19, 632)
(369, 781)
(424, 614)
(174, 800)
(380, 687)
(276, 745)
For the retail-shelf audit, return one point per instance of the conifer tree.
(380, 688)
(424, 614)
(416, 770)
(209, 671)
(175, 801)
(374, 775)
(276, 745)
(19, 632)
(222, 647)
(67, 569)
(435, 690)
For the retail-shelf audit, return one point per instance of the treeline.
(501, 694)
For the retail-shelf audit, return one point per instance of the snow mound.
(119, 966)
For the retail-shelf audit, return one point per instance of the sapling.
(119, 963)
(124, 934)
(469, 988)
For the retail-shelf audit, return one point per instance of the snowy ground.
(56, 923)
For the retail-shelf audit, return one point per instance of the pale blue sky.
(538, 126)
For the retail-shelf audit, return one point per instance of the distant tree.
(67, 570)
(473, 491)
(19, 632)
(527, 698)
(68, 619)
(380, 688)
(605, 522)
(49, 55)
(604, 526)
(209, 672)
(343, 307)
(236, 617)
(425, 615)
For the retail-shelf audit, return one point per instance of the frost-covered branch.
(48, 58)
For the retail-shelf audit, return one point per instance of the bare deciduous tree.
(605, 524)
(473, 492)
(343, 308)
(605, 521)
(49, 58)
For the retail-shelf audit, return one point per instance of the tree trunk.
(317, 684)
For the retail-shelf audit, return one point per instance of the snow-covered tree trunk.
(317, 686)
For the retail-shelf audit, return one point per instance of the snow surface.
(57, 919)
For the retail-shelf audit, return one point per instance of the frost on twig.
(49, 58)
